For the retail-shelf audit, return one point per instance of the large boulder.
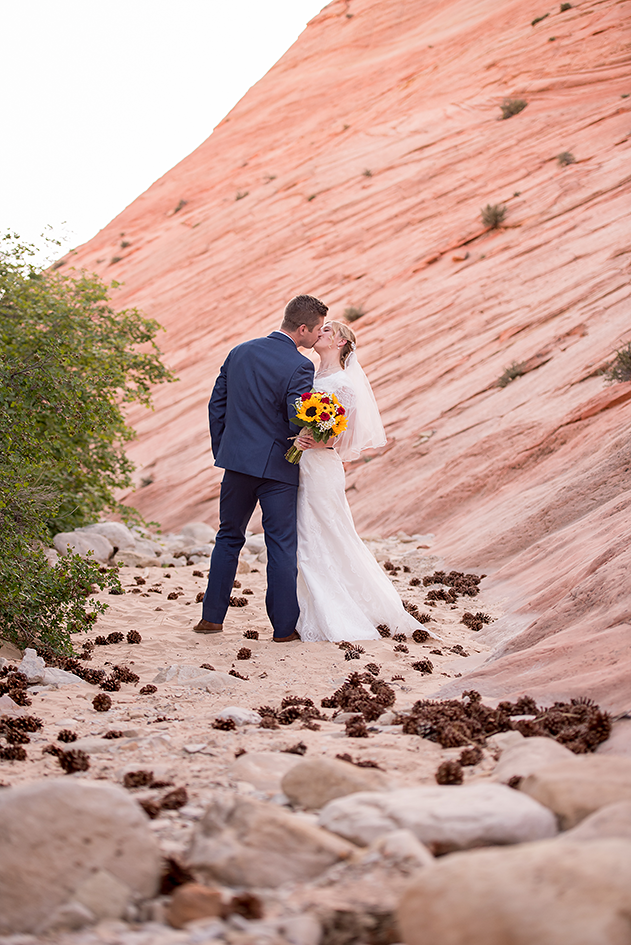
(314, 783)
(546, 893)
(198, 533)
(71, 846)
(82, 542)
(575, 788)
(611, 821)
(444, 818)
(527, 756)
(264, 770)
(116, 533)
(243, 842)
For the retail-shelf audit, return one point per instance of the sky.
(102, 97)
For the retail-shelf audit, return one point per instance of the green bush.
(512, 106)
(620, 368)
(493, 214)
(510, 374)
(68, 364)
(353, 312)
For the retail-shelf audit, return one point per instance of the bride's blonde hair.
(341, 329)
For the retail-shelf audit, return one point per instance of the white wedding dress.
(343, 593)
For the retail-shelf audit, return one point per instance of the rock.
(201, 551)
(444, 818)
(116, 533)
(401, 849)
(199, 532)
(82, 543)
(548, 893)
(239, 715)
(527, 756)
(148, 548)
(619, 742)
(255, 544)
(52, 556)
(32, 666)
(301, 929)
(70, 916)
(170, 561)
(135, 559)
(190, 902)
(315, 782)
(263, 769)
(61, 677)
(105, 896)
(573, 789)
(56, 835)
(243, 842)
(243, 567)
(614, 820)
(10, 708)
(502, 741)
(186, 675)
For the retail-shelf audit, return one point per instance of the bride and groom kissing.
(322, 582)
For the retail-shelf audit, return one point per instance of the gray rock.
(170, 561)
(135, 559)
(33, 666)
(243, 842)
(527, 756)
(83, 542)
(548, 893)
(315, 782)
(56, 835)
(116, 533)
(104, 895)
(239, 715)
(444, 818)
(577, 787)
(147, 547)
(199, 532)
(202, 551)
(11, 709)
(502, 741)
(401, 849)
(255, 544)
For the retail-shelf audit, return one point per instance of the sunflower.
(341, 422)
(310, 409)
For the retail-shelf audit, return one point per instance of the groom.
(249, 410)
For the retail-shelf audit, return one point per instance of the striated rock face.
(355, 170)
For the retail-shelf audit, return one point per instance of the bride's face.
(327, 340)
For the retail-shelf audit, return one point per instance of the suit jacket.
(251, 403)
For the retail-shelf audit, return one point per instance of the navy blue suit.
(249, 410)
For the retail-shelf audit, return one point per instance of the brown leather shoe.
(204, 626)
(293, 637)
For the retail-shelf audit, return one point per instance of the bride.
(342, 591)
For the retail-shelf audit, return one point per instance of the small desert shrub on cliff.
(515, 370)
(565, 6)
(565, 158)
(493, 214)
(538, 19)
(352, 313)
(620, 369)
(512, 106)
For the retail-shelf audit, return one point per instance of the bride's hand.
(306, 442)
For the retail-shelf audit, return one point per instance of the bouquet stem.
(293, 454)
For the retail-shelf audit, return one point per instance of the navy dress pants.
(239, 495)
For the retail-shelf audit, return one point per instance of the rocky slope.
(355, 170)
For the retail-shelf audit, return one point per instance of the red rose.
(324, 417)
(340, 411)
(325, 400)
(305, 396)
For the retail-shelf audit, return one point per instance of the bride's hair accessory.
(349, 336)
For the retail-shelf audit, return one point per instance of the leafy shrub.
(515, 370)
(493, 214)
(538, 19)
(512, 106)
(68, 362)
(565, 6)
(620, 369)
(565, 158)
(352, 313)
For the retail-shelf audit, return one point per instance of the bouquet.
(322, 413)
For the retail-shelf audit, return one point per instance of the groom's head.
(303, 319)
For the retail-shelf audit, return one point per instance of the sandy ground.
(170, 732)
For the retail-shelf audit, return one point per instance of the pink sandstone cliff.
(355, 170)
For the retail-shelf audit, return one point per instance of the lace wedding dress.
(343, 593)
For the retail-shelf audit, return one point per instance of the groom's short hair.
(303, 310)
